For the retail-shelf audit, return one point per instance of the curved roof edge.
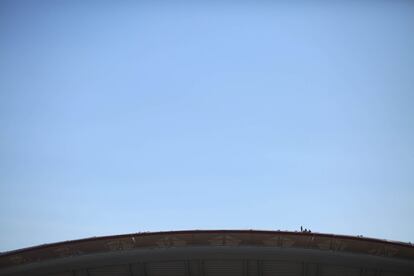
(187, 238)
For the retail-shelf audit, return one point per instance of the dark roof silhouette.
(214, 253)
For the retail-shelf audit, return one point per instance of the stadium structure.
(214, 253)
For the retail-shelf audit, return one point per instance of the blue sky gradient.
(128, 117)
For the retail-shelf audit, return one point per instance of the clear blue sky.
(125, 117)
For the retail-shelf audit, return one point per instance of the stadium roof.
(214, 253)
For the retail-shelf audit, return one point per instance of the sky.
(123, 117)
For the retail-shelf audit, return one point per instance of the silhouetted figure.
(301, 228)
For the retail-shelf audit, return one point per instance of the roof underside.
(215, 253)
